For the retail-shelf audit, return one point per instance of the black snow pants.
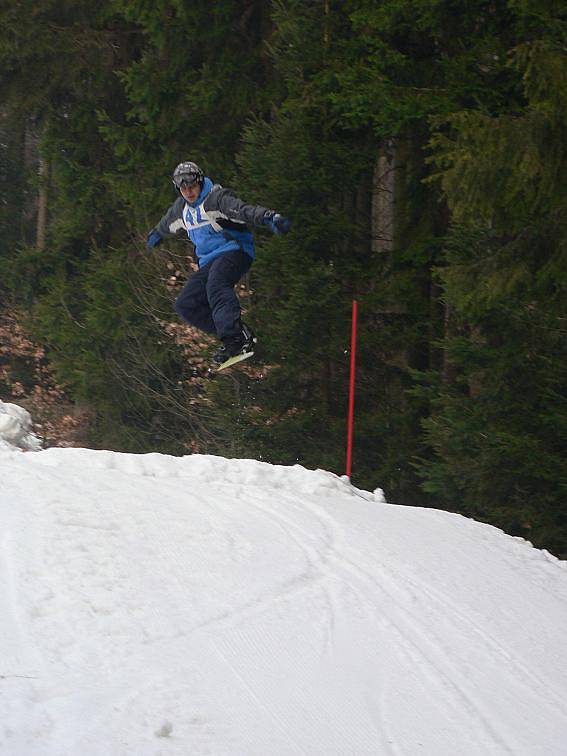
(208, 300)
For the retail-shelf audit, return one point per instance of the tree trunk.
(41, 226)
(383, 194)
(29, 160)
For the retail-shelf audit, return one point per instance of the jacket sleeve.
(226, 202)
(172, 222)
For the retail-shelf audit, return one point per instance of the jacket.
(216, 222)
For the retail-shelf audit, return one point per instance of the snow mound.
(208, 469)
(165, 605)
(16, 428)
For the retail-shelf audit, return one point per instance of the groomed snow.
(197, 605)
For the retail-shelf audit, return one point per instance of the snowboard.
(234, 360)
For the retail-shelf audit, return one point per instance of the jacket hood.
(207, 186)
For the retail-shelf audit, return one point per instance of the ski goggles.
(185, 179)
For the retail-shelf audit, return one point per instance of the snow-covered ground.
(198, 605)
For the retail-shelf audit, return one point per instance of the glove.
(154, 238)
(278, 223)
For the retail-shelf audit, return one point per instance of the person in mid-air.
(217, 223)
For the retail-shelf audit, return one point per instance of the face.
(190, 193)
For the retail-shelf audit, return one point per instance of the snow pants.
(208, 300)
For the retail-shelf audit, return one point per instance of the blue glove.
(154, 238)
(278, 223)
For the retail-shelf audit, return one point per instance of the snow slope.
(198, 605)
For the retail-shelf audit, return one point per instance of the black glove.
(154, 238)
(278, 223)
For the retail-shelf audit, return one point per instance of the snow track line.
(265, 602)
(231, 615)
(437, 667)
(458, 618)
(310, 579)
(314, 559)
(431, 660)
(320, 560)
(333, 554)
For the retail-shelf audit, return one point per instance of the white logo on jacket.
(197, 217)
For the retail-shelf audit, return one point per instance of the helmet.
(187, 173)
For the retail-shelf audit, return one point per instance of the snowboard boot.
(234, 346)
(249, 338)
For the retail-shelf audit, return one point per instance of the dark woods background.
(419, 148)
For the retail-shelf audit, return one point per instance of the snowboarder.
(217, 222)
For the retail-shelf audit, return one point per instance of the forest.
(418, 148)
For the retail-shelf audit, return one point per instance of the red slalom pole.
(351, 388)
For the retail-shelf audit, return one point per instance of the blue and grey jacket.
(216, 222)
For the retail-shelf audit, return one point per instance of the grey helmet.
(187, 173)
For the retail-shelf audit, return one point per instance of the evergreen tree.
(499, 430)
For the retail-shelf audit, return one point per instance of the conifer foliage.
(418, 148)
(499, 427)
